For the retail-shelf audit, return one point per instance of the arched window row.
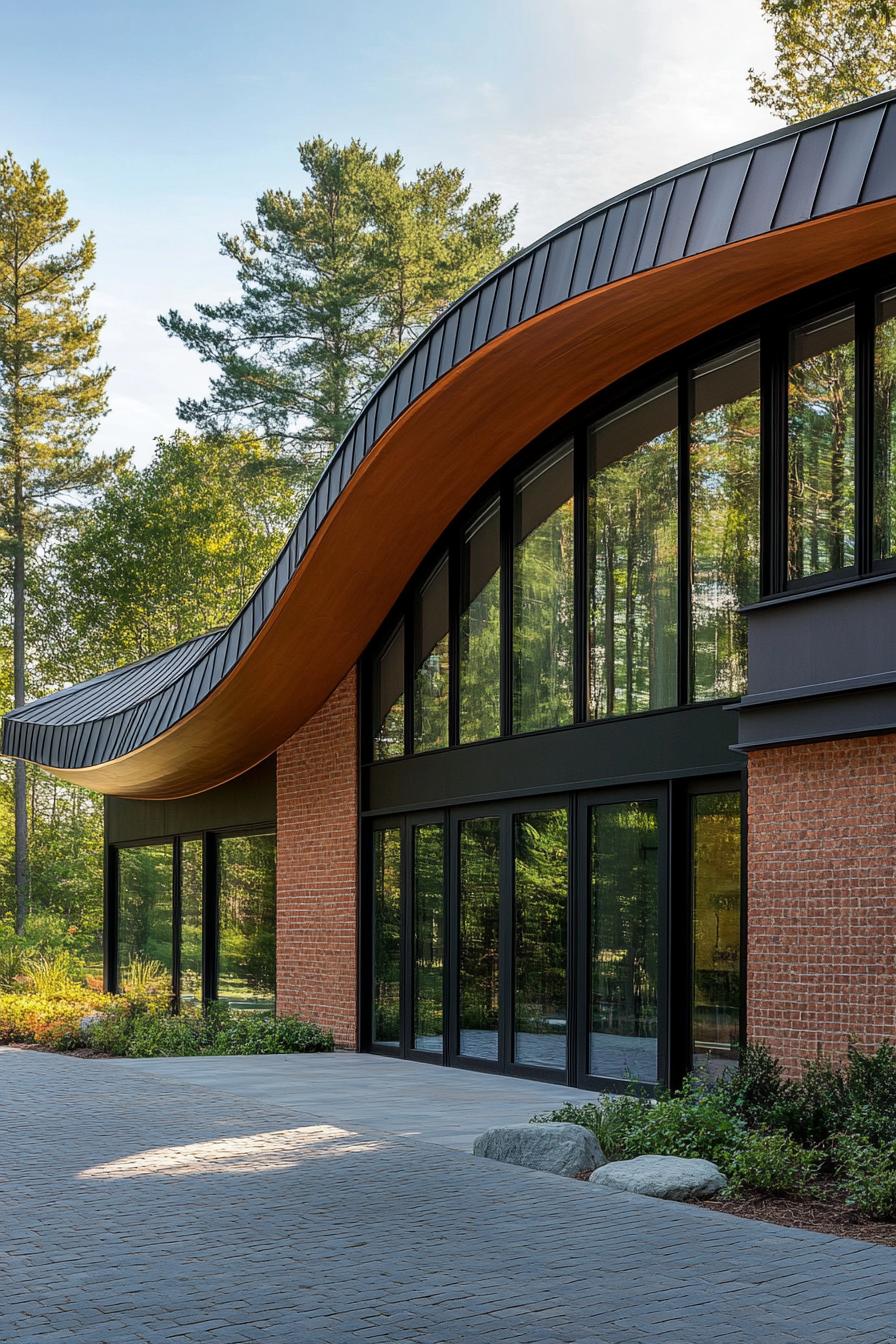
(606, 575)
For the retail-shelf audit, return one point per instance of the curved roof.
(655, 265)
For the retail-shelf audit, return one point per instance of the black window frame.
(770, 325)
(210, 905)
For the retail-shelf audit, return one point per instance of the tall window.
(479, 655)
(388, 698)
(540, 887)
(624, 862)
(633, 556)
(716, 895)
(429, 936)
(145, 907)
(885, 427)
(190, 921)
(543, 594)
(479, 903)
(247, 884)
(387, 936)
(431, 661)
(724, 459)
(821, 446)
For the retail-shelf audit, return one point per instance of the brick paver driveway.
(155, 1210)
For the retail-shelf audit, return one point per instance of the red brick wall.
(822, 896)
(317, 862)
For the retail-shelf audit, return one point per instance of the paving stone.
(141, 1209)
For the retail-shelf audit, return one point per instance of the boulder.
(90, 1020)
(662, 1177)
(560, 1148)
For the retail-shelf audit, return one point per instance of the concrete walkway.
(135, 1206)
(395, 1096)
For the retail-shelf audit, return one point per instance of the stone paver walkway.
(134, 1207)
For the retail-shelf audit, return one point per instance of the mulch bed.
(828, 1214)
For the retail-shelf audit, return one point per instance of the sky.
(164, 120)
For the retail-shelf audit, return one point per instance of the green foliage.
(54, 976)
(144, 979)
(692, 1123)
(869, 1176)
(335, 282)
(36, 1019)
(139, 1030)
(768, 1163)
(827, 53)
(165, 553)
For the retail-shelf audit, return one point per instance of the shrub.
(755, 1089)
(56, 976)
(138, 1029)
(144, 979)
(772, 1164)
(815, 1107)
(35, 1019)
(12, 964)
(611, 1121)
(692, 1123)
(869, 1176)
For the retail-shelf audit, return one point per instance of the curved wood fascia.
(437, 454)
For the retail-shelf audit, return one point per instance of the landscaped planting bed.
(44, 1006)
(818, 1151)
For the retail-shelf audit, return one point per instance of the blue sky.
(164, 121)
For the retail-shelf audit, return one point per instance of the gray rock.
(90, 1020)
(662, 1177)
(560, 1148)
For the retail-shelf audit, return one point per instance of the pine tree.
(52, 393)
(335, 283)
(827, 53)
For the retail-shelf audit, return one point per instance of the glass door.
(540, 904)
(427, 1033)
(716, 890)
(622, 846)
(386, 948)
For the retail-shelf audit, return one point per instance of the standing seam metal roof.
(790, 176)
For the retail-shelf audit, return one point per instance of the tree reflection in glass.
(885, 426)
(624, 843)
(479, 661)
(191, 921)
(479, 901)
(541, 882)
(724, 460)
(716, 895)
(387, 936)
(429, 936)
(543, 594)
(633, 556)
(388, 698)
(821, 446)
(431, 661)
(247, 925)
(145, 906)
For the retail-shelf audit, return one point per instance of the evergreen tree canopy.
(827, 53)
(335, 282)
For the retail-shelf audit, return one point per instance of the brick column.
(822, 897)
(317, 867)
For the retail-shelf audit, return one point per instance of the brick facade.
(822, 896)
(317, 867)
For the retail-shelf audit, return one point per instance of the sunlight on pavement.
(240, 1154)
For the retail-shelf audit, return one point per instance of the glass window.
(624, 844)
(387, 936)
(724, 452)
(146, 909)
(479, 661)
(388, 698)
(247, 883)
(633, 556)
(885, 427)
(431, 662)
(543, 594)
(429, 936)
(716, 895)
(191, 921)
(540, 873)
(479, 899)
(821, 446)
